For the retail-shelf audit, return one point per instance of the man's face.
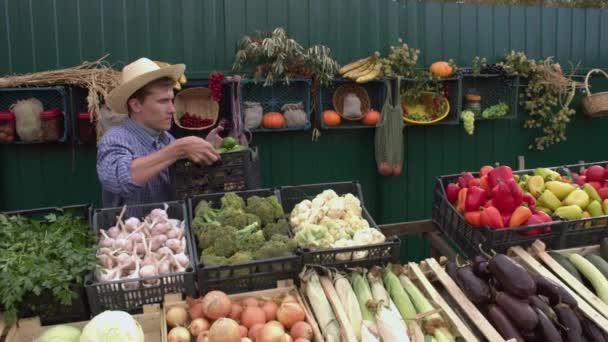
(157, 109)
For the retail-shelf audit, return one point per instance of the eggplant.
(503, 325)
(478, 259)
(553, 291)
(519, 311)
(481, 270)
(513, 277)
(538, 303)
(530, 336)
(474, 288)
(450, 269)
(571, 323)
(592, 331)
(547, 329)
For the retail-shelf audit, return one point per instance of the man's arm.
(146, 167)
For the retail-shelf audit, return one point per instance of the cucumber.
(599, 263)
(565, 263)
(604, 248)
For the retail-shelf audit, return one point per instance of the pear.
(560, 189)
(545, 210)
(605, 206)
(577, 197)
(595, 209)
(547, 174)
(548, 200)
(570, 212)
(536, 186)
(590, 190)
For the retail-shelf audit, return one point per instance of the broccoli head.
(237, 218)
(240, 257)
(225, 243)
(268, 209)
(207, 232)
(205, 211)
(209, 258)
(281, 227)
(232, 200)
(277, 246)
(250, 238)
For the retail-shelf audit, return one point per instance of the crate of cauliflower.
(332, 227)
(243, 241)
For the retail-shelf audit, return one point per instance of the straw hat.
(135, 76)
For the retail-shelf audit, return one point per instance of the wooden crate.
(283, 288)
(531, 263)
(29, 328)
(538, 251)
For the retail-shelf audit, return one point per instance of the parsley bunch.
(37, 256)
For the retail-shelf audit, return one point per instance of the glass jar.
(472, 101)
(86, 128)
(7, 127)
(51, 124)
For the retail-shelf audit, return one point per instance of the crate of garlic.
(144, 252)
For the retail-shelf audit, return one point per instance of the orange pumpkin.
(273, 120)
(441, 69)
(371, 117)
(331, 118)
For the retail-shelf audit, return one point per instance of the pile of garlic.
(136, 249)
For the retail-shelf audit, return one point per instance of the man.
(133, 159)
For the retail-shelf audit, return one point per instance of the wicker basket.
(350, 88)
(196, 101)
(595, 105)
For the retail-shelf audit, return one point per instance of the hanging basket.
(196, 101)
(350, 88)
(595, 105)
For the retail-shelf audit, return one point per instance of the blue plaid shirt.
(115, 152)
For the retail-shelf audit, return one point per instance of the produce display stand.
(29, 328)
(538, 251)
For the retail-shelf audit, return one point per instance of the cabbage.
(60, 333)
(112, 326)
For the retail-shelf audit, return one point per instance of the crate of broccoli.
(243, 241)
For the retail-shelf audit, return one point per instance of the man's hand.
(198, 150)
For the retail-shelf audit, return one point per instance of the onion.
(203, 337)
(286, 338)
(290, 313)
(243, 330)
(246, 339)
(235, 312)
(178, 334)
(197, 326)
(177, 316)
(289, 299)
(251, 301)
(224, 330)
(196, 308)
(254, 330)
(252, 315)
(301, 330)
(270, 333)
(270, 308)
(299, 339)
(216, 304)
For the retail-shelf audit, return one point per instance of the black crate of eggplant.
(55, 293)
(333, 228)
(243, 241)
(144, 253)
(238, 170)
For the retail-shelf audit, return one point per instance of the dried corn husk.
(391, 325)
(27, 119)
(349, 302)
(320, 306)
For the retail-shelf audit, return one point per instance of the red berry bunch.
(215, 85)
(193, 121)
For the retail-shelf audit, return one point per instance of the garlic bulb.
(131, 224)
(158, 215)
(159, 229)
(105, 260)
(174, 233)
(131, 285)
(164, 251)
(113, 231)
(175, 245)
(182, 259)
(105, 241)
(105, 275)
(157, 242)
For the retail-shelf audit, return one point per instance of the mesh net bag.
(388, 139)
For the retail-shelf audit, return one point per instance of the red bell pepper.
(485, 170)
(451, 192)
(464, 179)
(507, 196)
(474, 182)
(476, 197)
(536, 218)
(491, 217)
(506, 217)
(520, 216)
(503, 173)
(489, 203)
(530, 201)
(473, 218)
(462, 197)
(485, 184)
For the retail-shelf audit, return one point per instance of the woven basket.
(595, 105)
(350, 88)
(196, 101)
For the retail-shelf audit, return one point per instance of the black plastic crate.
(81, 134)
(452, 88)
(44, 305)
(493, 89)
(55, 97)
(250, 276)
(235, 171)
(376, 90)
(112, 295)
(469, 239)
(376, 254)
